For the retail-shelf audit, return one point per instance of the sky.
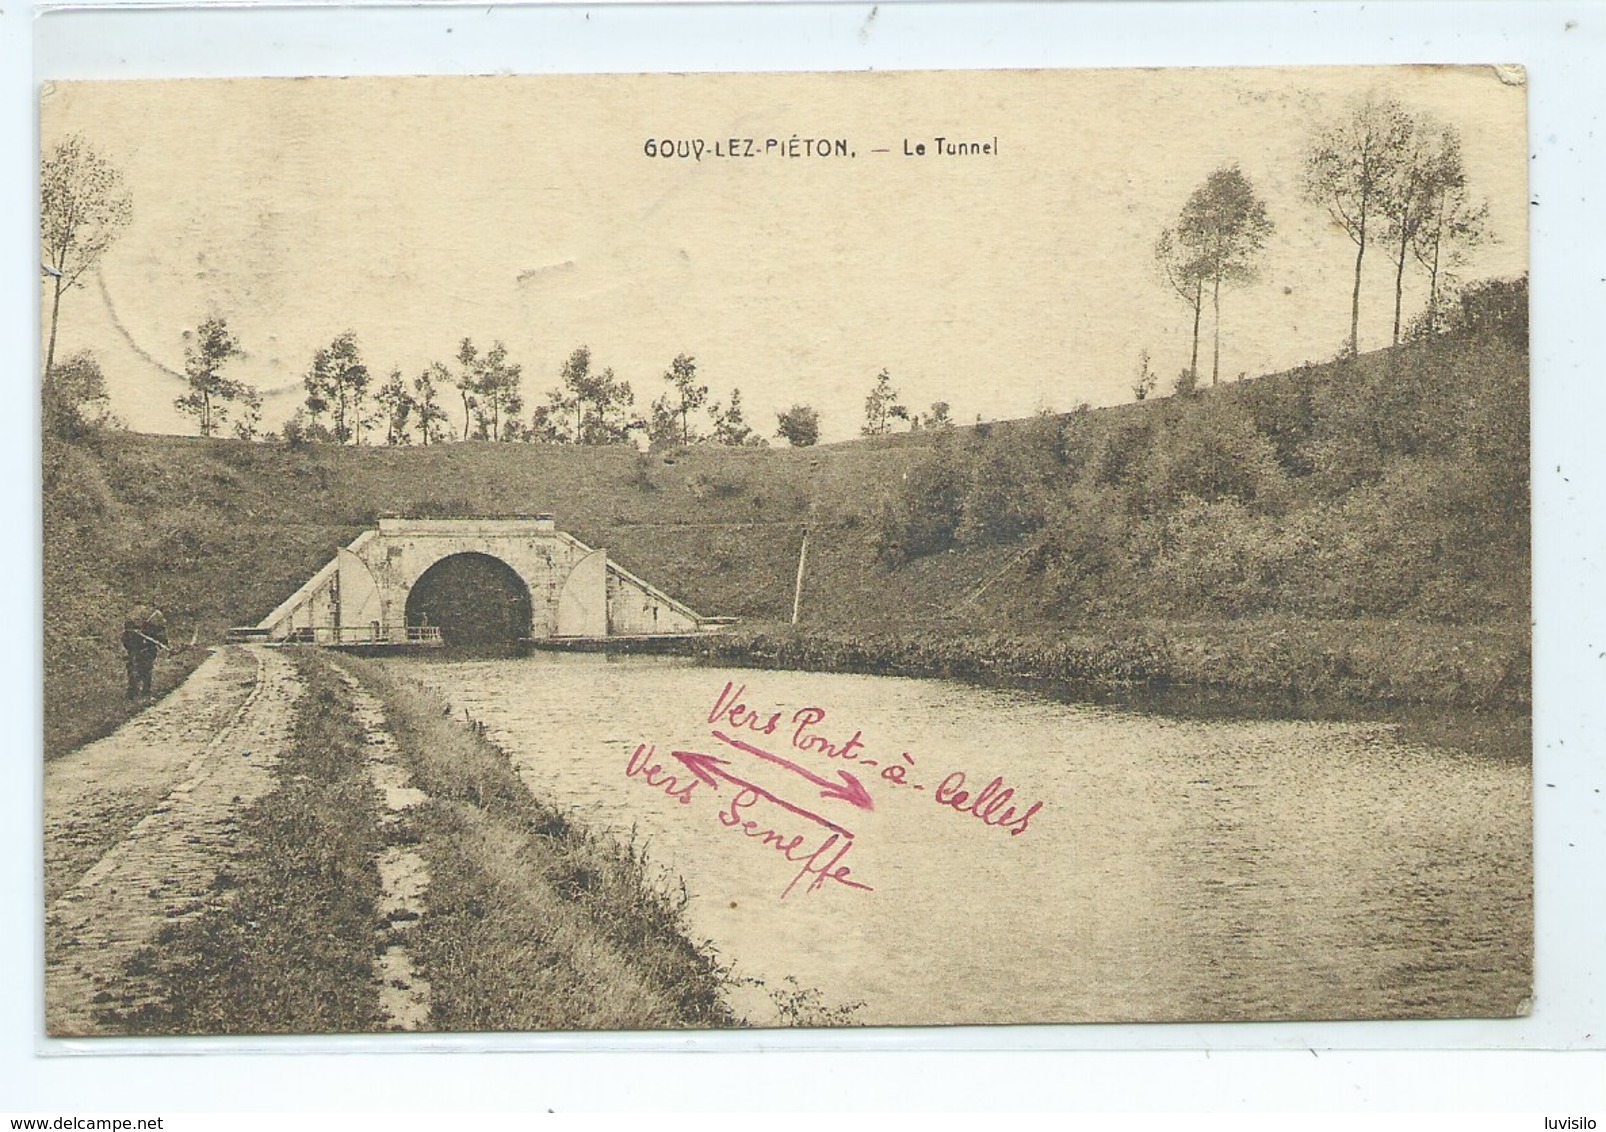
(418, 211)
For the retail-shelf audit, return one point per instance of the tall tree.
(686, 396)
(338, 384)
(468, 376)
(354, 381)
(427, 402)
(497, 399)
(799, 426)
(611, 420)
(82, 209)
(1185, 272)
(320, 386)
(396, 405)
(210, 392)
(1349, 167)
(1450, 223)
(601, 403)
(574, 394)
(882, 407)
(1404, 201)
(1224, 228)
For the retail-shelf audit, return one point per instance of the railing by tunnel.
(422, 636)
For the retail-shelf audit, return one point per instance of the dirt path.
(403, 873)
(138, 824)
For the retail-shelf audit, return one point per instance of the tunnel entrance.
(476, 600)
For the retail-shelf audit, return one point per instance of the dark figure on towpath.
(144, 635)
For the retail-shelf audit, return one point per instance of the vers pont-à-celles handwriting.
(817, 843)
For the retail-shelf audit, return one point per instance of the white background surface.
(1388, 1065)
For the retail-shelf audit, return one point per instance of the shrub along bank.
(1282, 660)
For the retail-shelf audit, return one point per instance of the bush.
(1497, 307)
(1011, 477)
(73, 400)
(924, 516)
(1212, 452)
(1084, 548)
(1282, 409)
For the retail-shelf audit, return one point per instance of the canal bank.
(1278, 660)
(294, 842)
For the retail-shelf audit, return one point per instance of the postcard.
(691, 551)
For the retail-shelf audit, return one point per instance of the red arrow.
(849, 790)
(710, 769)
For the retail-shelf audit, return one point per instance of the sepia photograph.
(651, 552)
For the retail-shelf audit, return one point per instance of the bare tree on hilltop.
(1449, 223)
(1386, 174)
(1184, 271)
(1429, 215)
(1217, 238)
(1351, 168)
(83, 207)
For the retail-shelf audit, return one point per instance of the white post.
(797, 594)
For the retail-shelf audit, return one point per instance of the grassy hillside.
(218, 532)
(1394, 485)
(1386, 489)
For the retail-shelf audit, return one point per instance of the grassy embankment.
(218, 532)
(1355, 529)
(534, 922)
(531, 923)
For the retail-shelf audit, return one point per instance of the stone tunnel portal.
(474, 582)
(477, 601)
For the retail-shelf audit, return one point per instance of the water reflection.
(1178, 869)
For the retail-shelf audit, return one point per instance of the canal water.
(1144, 867)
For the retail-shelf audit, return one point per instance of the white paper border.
(1564, 48)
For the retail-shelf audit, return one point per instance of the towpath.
(139, 824)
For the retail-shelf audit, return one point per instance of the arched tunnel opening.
(476, 600)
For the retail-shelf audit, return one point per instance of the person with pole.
(144, 635)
